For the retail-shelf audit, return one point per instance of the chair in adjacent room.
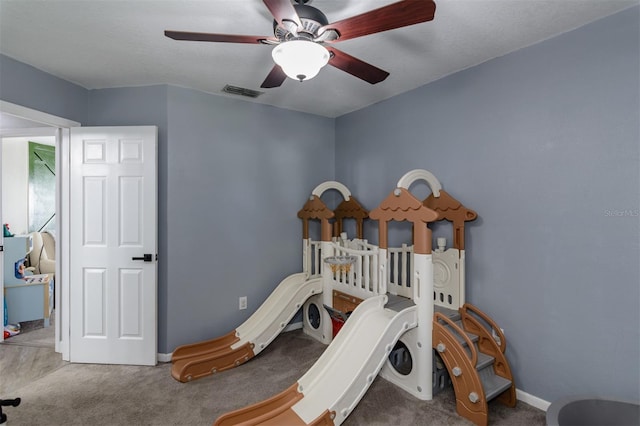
(42, 258)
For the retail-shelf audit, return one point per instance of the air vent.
(241, 91)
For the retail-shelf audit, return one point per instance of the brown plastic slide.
(275, 411)
(196, 360)
(201, 359)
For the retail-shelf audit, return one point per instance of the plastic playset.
(395, 311)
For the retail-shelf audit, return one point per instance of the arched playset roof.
(401, 205)
(316, 209)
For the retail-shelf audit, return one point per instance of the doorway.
(21, 122)
(28, 213)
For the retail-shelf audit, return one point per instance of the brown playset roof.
(448, 208)
(351, 209)
(401, 205)
(315, 208)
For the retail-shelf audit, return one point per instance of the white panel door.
(113, 245)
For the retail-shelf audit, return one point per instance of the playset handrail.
(472, 354)
(494, 327)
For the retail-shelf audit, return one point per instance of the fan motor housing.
(311, 18)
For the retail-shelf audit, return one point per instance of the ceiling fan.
(304, 38)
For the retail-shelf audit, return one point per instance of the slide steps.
(475, 360)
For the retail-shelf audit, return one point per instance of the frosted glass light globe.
(300, 59)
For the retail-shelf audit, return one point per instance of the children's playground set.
(408, 322)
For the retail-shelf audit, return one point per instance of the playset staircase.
(472, 347)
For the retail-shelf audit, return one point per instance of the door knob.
(146, 257)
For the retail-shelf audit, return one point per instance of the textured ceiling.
(108, 43)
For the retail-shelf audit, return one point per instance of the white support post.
(423, 295)
(306, 259)
(382, 271)
(373, 273)
(406, 259)
(463, 285)
(327, 250)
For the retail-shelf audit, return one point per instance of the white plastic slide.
(344, 372)
(251, 337)
(275, 313)
(332, 388)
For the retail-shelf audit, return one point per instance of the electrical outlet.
(242, 302)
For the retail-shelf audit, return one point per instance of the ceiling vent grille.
(241, 91)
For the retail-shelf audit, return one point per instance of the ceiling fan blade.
(356, 67)
(395, 15)
(283, 10)
(221, 38)
(275, 78)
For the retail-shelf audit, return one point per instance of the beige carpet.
(27, 357)
(42, 337)
(58, 393)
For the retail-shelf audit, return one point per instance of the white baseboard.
(534, 401)
(164, 357)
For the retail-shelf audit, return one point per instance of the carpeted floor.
(55, 393)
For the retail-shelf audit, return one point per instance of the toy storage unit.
(29, 298)
(16, 250)
(30, 301)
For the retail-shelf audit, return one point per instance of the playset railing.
(313, 252)
(399, 270)
(362, 275)
(313, 258)
(447, 292)
(359, 274)
(448, 277)
(357, 244)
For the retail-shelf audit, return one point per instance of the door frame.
(59, 127)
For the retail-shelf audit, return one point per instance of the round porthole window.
(400, 358)
(313, 315)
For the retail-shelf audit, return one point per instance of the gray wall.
(544, 144)
(27, 86)
(237, 175)
(140, 106)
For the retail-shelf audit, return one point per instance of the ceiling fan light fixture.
(300, 59)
